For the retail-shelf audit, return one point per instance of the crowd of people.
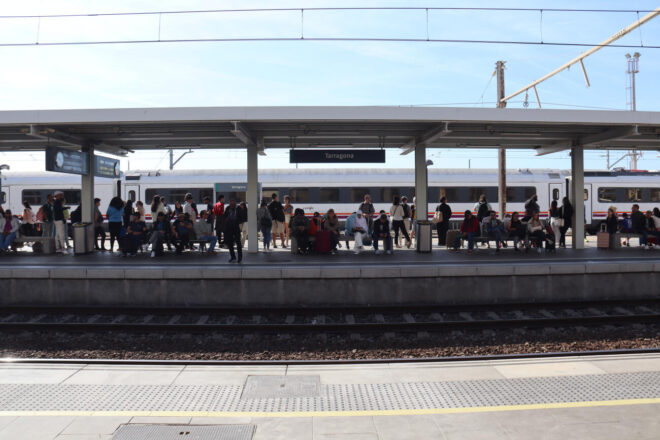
(225, 225)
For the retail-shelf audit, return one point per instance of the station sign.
(61, 160)
(106, 167)
(337, 156)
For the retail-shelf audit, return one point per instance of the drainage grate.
(277, 387)
(185, 432)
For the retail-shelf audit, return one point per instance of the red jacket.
(470, 225)
(219, 209)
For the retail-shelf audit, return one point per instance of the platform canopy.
(120, 131)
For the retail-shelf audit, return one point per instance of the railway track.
(331, 320)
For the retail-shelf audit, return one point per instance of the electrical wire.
(327, 39)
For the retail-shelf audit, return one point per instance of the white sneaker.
(356, 251)
(378, 252)
(153, 254)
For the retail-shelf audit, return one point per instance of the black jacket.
(242, 214)
(612, 224)
(567, 214)
(638, 222)
(445, 209)
(381, 228)
(232, 219)
(276, 210)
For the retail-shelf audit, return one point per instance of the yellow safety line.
(293, 414)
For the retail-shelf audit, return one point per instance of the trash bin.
(423, 235)
(83, 238)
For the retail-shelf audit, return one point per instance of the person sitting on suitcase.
(382, 232)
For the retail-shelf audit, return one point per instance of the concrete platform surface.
(602, 397)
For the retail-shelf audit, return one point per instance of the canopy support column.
(87, 188)
(501, 183)
(421, 183)
(577, 191)
(252, 198)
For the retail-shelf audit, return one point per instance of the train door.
(132, 192)
(556, 193)
(587, 203)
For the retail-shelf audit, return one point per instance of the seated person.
(536, 230)
(182, 229)
(469, 228)
(382, 232)
(652, 228)
(300, 230)
(135, 232)
(204, 231)
(516, 229)
(495, 229)
(161, 231)
(316, 224)
(9, 226)
(626, 223)
(348, 227)
(331, 224)
(360, 231)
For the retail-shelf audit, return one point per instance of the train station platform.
(594, 397)
(281, 279)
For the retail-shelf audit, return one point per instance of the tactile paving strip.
(360, 397)
(185, 432)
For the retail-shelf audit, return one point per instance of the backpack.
(406, 211)
(266, 222)
(483, 211)
(41, 215)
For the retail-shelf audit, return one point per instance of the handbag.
(437, 217)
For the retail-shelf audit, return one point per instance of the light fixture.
(4, 167)
(429, 162)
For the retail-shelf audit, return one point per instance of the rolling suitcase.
(450, 237)
(323, 245)
(603, 239)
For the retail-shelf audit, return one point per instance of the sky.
(320, 73)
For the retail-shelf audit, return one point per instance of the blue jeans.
(387, 242)
(6, 240)
(212, 239)
(498, 233)
(470, 239)
(267, 236)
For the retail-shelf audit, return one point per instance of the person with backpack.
(265, 223)
(277, 214)
(531, 206)
(242, 221)
(482, 208)
(397, 213)
(443, 214)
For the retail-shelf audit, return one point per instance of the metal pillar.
(421, 183)
(577, 196)
(501, 156)
(252, 197)
(87, 188)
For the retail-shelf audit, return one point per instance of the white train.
(344, 189)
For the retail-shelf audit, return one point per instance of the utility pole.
(633, 68)
(499, 69)
(174, 162)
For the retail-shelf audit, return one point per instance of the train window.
(299, 195)
(605, 195)
(39, 196)
(3, 197)
(634, 194)
(529, 192)
(387, 194)
(32, 196)
(267, 194)
(655, 194)
(357, 194)
(474, 192)
(329, 195)
(450, 193)
(586, 194)
(238, 196)
(205, 192)
(555, 194)
(178, 194)
(131, 195)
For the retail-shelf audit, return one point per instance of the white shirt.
(396, 211)
(361, 222)
(188, 209)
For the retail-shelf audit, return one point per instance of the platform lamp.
(3, 167)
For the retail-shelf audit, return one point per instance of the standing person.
(413, 216)
(161, 231)
(190, 207)
(98, 226)
(556, 220)
(382, 232)
(469, 228)
(9, 227)
(360, 230)
(265, 223)
(209, 211)
(219, 213)
(368, 210)
(567, 216)
(157, 207)
(443, 226)
(331, 224)
(482, 208)
(178, 209)
(397, 213)
(127, 216)
(60, 223)
(639, 225)
(115, 214)
(242, 221)
(166, 209)
(47, 221)
(277, 214)
(531, 206)
(288, 214)
(233, 231)
(407, 213)
(612, 224)
(139, 208)
(28, 219)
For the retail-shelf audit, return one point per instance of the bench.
(294, 243)
(627, 235)
(45, 245)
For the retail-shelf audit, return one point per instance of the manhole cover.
(276, 387)
(185, 432)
